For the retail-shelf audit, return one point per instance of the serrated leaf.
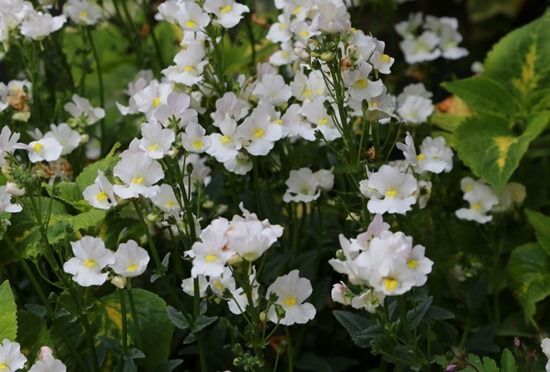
(508, 362)
(541, 224)
(8, 313)
(529, 273)
(492, 150)
(483, 95)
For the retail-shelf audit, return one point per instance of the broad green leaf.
(529, 274)
(483, 95)
(519, 61)
(541, 224)
(8, 313)
(155, 328)
(508, 362)
(492, 150)
(32, 333)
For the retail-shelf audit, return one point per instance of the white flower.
(229, 105)
(91, 257)
(225, 146)
(8, 143)
(305, 186)
(291, 291)
(219, 284)
(545, 346)
(82, 12)
(191, 17)
(48, 149)
(435, 156)
(422, 48)
(295, 126)
(512, 194)
(315, 113)
(81, 108)
(379, 60)
(139, 173)
(239, 300)
(308, 87)
(415, 109)
(227, 12)
(156, 141)
(130, 260)
(68, 138)
(11, 358)
(166, 200)
(272, 87)
(359, 85)
(333, 16)
(176, 109)
(389, 191)
(240, 164)
(481, 199)
(341, 294)
(100, 194)
(195, 139)
(211, 253)
(38, 25)
(150, 97)
(369, 300)
(258, 134)
(189, 65)
(279, 31)
(188, 286)
(47, 362)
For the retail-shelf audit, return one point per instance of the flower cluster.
(426, 38)
(11, 359)
(378, 263)
(484, 200)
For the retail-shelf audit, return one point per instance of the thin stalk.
(124, 321)
(134, 315)
(289, 352)
(150, 241)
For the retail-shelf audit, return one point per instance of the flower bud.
(119, 282)
(13, 189)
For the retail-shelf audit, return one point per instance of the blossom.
(166, 200)
(389, 191)
(190, 17)
(100, 194)
(228, 12)
(156, 141)
(195, 139)
(435, 156)
(219, 284)
(83, 12)
(512, 194)
(272, 88)
(139, 173)
(258, 134)
(359, 85)
(421, 48)
(210, 253)
(8, 143)
(149, 98)
(48, 149)
(189, 65)
(188, 286)
(291, 291)
(315, 113)
(481, 199)
(305, 186)
(308, 87)
(369, 300)
(38, 25)
(11, 358)
(340, 293)
(130, 260)
(229, 105)
(68, 138)
(47, 362)
(545, 346)
(225, 146)
(91, 257)
(80, 108)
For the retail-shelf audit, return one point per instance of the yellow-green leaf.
(8, 313)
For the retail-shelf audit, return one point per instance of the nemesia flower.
(195, 139)
(359, 85)
(389, 191)
(142, 80)
(415, 109)
(225, 146)
(156, 141)
(512, 194)
(91, 257)
(291, 291)
(219, 284)
(38, 25)
(139, 173)
(189, 65)
(130, 260)
(272, 88)
(176, 109)
(83, 12)
(435, 156)
(341, 294)
(188, 286)
(308, 87)
(166, 200)
(191, 17)
(148, 99)
(68, 138)
(258, 134)
(369, 300)
(545, 346)
(100, 194)
(47, 363)
(48, 149)
(481, 199)
(305, 186)
(228, 12)
(315, 113)
(9, 143)
(80, 108)
(229, 105)
(11, 358)
(421, 48)
(210, 253)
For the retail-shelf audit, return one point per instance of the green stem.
(124, 321)
(150, 241)
(289, 351)
(134, 316)
(196, 314)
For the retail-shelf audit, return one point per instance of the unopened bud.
(14, 190)
(119, 282)
(84, 138)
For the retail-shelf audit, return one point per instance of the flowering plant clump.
(261, 186)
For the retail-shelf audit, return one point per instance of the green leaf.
(541, 224)
(519, 61)
(529, 273)
(32, 333)
(202, 322)
(88, 175)
(483, 95)
(492, 150)
(155, 328)
(508, 362)
(177, 318)
(8, 313)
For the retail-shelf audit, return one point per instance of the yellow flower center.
(278, 122)
(304, 34)
(191, 24)
(225, 140)
(197, 144)
(83, 14)
(361, 83)
(297, 10)
(89, 263)
(390, 284)
(37, 147)
(290, 301)
(412, 264)
(391, 192)
(170, 204)
(323, 121)
(188, 68)
(226, 9)
(476, 206)
(420, 157)
(218, 284)
(210, 258)
(138, 180)
(102, 196)
(3, 366)
(156, 102)
(259, 133)
(384, 58)
(153, 147)
(132, 268)
(468, 187)
(307, 93)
